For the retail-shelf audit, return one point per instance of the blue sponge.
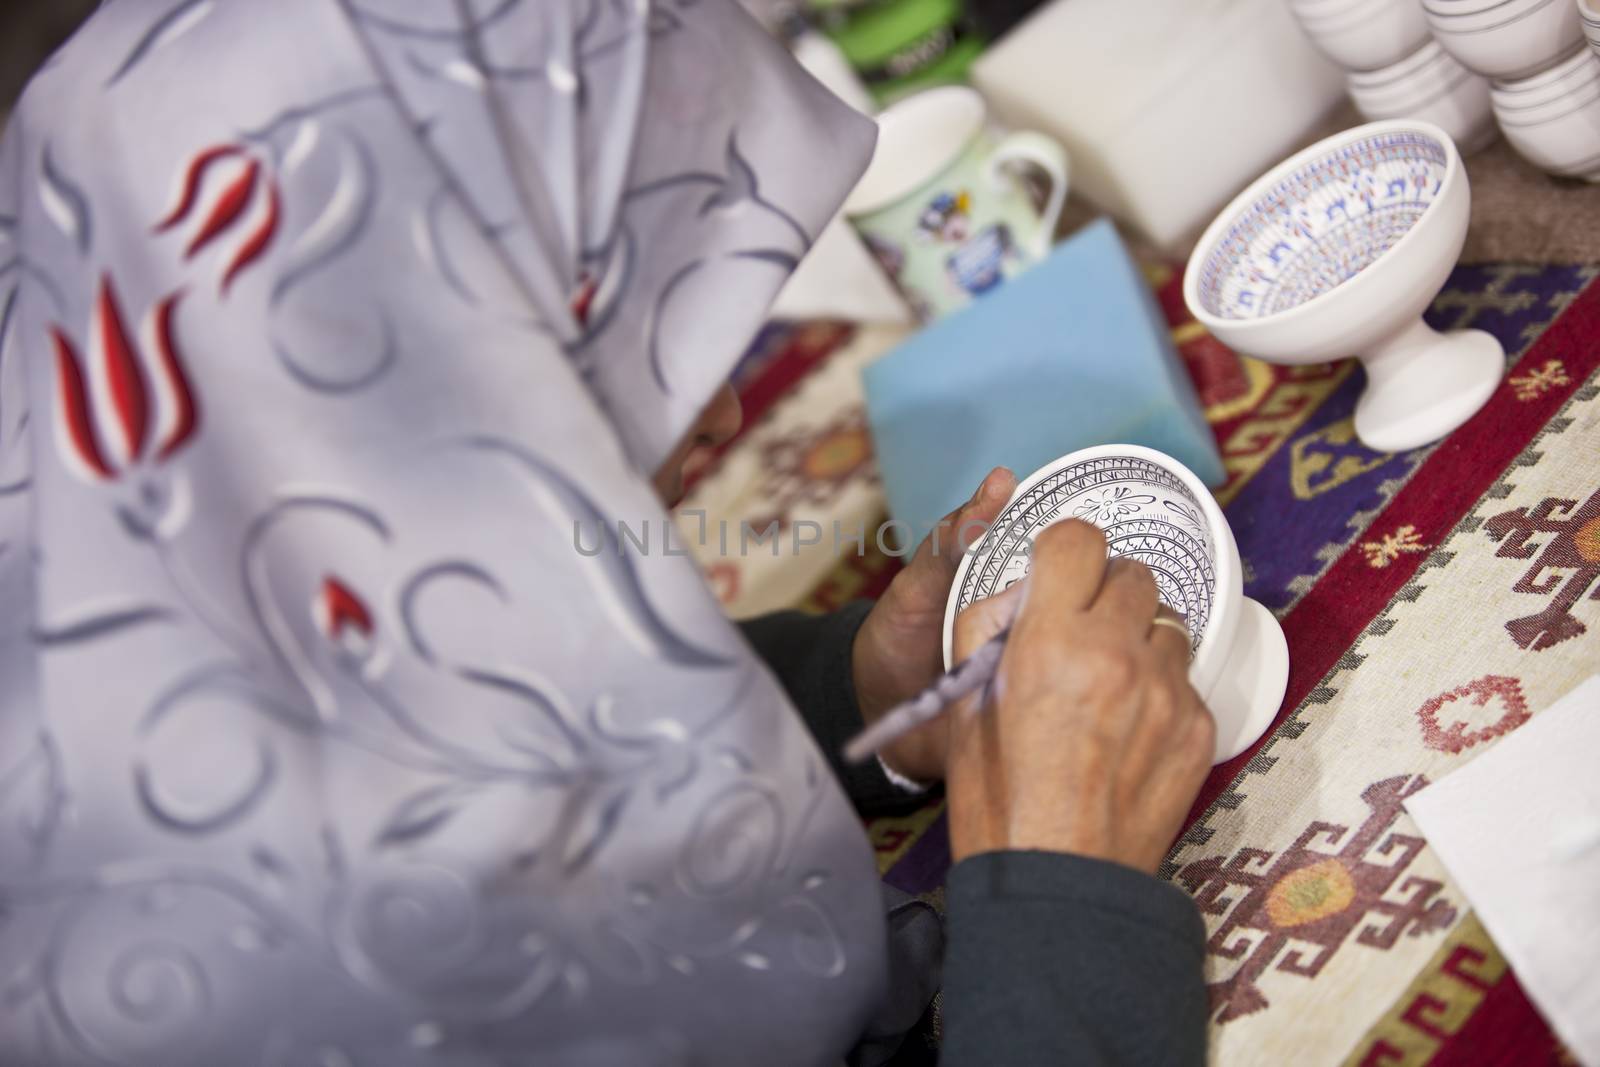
(1072, 353)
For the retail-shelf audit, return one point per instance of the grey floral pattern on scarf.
(322, 324)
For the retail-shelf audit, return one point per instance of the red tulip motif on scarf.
(344, 618)
(242, 203)
(129, 405)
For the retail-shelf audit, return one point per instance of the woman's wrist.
(991, 812)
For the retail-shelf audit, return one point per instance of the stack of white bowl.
(1394, 69)
(1553, 118)
(1546, 84)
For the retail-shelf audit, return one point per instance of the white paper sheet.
(1519, 830)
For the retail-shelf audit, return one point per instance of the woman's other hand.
(899, 650)
(1092, 741)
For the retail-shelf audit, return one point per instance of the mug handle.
(1046, 154)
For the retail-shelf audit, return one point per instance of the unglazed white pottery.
(1155, 510)
(1337, 252)
(1431, 85)
(1145, 94)
(1589, 16)
(1553, 118)
(1559, 81)
(1363, 34)
(1505, 38)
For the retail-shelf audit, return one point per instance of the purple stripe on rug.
(923, 867)
(1315, 496)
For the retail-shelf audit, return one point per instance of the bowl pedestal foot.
(1250, 690)
(1423, 384)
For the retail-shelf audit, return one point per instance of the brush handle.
(970, 675)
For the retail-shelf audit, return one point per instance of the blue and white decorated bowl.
(1326, 253)
(1150, 507)
(1321, 224)
(1156, 511)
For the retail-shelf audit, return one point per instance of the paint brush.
(969, 676)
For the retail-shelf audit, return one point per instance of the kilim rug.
(1432, 600)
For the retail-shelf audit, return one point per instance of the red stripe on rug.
(1169, 295)
(1326, 622)
(802, 353)
(1505, 1030)
(807, 350)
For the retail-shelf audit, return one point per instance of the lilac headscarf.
(322, 323)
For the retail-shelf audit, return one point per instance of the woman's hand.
(1092, 741)
(899, 650)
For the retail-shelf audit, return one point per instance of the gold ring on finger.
(1162, 620)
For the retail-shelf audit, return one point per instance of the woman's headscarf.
(329, 331)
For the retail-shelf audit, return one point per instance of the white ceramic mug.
(940, 206)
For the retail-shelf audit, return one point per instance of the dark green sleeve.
(1056, 959)
(811, 655)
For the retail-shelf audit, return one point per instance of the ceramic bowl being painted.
(1505, 38)
(1337, 252)
(1155, 510)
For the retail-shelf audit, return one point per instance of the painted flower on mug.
(979, 265)
(948, 217)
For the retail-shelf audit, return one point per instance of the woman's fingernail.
(995, 484)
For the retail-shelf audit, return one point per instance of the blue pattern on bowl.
(1322, 224)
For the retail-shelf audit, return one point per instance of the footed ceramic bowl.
(1155, 510)
(1337, 252)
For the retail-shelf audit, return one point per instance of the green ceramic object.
(901, 46)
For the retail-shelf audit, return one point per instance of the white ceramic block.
(1166, 107)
